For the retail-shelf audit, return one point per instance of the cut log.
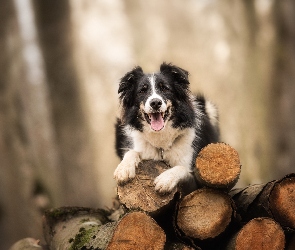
(140, 192)
(259, 234)
(137, 231)
(275, 199)
(83, 228)
(218, 166)
(204, 214)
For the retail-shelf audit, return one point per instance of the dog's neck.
(164, 139)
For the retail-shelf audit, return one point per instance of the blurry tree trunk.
(251, 35)
(268, 91)
(102, 55)
(13, 157)
(257, 140)
(72, 134)
(283, 87)
(29, 175)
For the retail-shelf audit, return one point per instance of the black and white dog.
(162, 120)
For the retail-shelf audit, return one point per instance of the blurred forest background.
(60, 64)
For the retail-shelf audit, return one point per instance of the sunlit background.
(60, 64)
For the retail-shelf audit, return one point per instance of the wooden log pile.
(212, 217)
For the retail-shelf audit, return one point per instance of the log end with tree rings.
(139, 193)
(135, 231)
(204, 213)
(218, 166)
(259, 234)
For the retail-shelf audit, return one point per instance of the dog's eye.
(163, 87)
(143, 89)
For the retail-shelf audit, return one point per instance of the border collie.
(162, 120)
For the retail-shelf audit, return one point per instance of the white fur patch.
(212, 113)
(147, 106)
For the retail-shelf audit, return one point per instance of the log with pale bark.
(218, 166)
(276, 199)
(74, 227)
(259, 234)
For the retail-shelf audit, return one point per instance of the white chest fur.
(170, 144)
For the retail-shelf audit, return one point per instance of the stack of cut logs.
(213, 217)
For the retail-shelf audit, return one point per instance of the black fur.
(122, 141)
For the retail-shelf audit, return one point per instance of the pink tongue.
(157, 122)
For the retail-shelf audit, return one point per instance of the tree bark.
(259, 234)
(275, 199)
(218, 166)
(69, 227)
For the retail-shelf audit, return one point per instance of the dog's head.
(149, 99)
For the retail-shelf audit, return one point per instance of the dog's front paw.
(124, 172)
(166, 181)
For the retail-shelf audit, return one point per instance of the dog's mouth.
(157, 119)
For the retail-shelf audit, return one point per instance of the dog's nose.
(156, 103)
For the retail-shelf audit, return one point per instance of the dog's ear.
(179, 79)
(178, 74)
(128, 84)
